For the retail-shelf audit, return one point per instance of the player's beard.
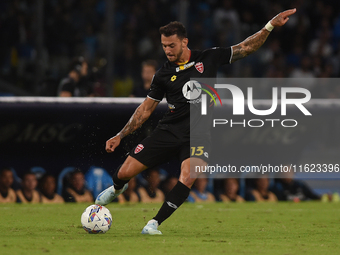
(179, 55)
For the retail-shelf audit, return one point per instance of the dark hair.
(43, 179)
(76, 171)
(45, 176)
(28, 173)
(174, 28)
(76, 64)
(4, 170)
(150, 62)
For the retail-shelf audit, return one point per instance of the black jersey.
(172, 80)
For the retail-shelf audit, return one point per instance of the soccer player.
(7, 194)
(76, 192)
(230, 189)
(199, 192)
(28, 192)
(171, 137)
(47, 185)
(151, 193)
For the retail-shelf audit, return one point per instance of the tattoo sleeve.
(249, 45)
(135, 122)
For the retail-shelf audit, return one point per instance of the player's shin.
(173, 200)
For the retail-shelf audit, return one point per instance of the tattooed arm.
(254, 42)
(141, 114)
(249, 45)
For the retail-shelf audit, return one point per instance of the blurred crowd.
(307, 46)
(151, 186)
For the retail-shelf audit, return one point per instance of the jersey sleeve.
(156, 90)
(220, 55)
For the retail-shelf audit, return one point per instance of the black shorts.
(162, 146)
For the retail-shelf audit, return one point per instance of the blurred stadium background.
(40, 38)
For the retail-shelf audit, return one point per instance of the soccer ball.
(96, 219)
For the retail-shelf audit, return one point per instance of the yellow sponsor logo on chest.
(185, 66)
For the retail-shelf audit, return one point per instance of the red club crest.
(139, 148)
(199, 67)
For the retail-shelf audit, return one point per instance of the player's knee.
(127, 172)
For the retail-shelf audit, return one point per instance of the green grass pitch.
(249, 228)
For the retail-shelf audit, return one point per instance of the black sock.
(118, 183)
(173, 200)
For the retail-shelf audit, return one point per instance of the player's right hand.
(112, 143)
(282, 18)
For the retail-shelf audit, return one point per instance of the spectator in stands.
(151, 193)
(74, 29)
(199, 193)
(261, 193)
(231, 187)
(76, 83)
(28, 192)
(76, 192)
(149, 68)
(288, 189)
(130, 194)
(304, 73)
(7, 194)
(47, 186)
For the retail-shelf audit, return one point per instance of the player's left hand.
(282, 18)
